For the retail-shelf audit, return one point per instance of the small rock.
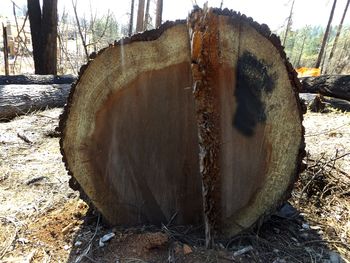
(305, 226)
(242, 251)
(107, 237)
(275, 250)
(100, 243)
(276, 230)
(287, 211)
(334, 257)
(177, 248)
(315, 227)
(23, 240)
(304, 235)
(66, 247)
(187, 249)
(279, 260)
(78, 243)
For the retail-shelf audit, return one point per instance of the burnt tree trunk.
(6, 51)
(201, 120)
(337, 86)
(43, 27)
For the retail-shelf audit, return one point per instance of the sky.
(271, 12)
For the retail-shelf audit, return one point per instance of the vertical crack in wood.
(205, 53)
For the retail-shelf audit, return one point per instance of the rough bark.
(171, 123)
(22, 99)
(43, 27)
(337, 86)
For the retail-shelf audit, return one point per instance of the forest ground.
(43, 220)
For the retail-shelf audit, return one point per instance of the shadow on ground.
(283, 237)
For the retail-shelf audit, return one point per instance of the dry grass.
(41, 219)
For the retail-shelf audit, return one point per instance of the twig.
(326, 241)
(24, 138)
(321, 133)
(172, 219)
(35, 180)
(87, 249)
(320, 170)
(13, 238)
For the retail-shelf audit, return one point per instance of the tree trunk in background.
(325, 37)
(6, 53)
(147, 16)
(140, 16)
(131, 21)
(301, 51)
(289, 24)
(43, 27)
(337, 35)
(159, 13)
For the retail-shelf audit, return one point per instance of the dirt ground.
(43, 220)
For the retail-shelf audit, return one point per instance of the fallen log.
(189, 123)
(337, 86)
(320, 103)
(36, 79)
(21, 99)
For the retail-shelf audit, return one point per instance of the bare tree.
(338, 34)
(305, 34)
(131, 21)
(159, 12)
(140, 16)
(74, 4)
(325, 36)
(4, 32)
(43, 27)
(289, 23)
(147, 16)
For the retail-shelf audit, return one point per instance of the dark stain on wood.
(252, 80)
(149, 164)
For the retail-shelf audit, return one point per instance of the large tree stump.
(195, 122)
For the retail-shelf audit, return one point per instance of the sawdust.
(43, 220)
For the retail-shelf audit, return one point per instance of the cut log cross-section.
(196, 122)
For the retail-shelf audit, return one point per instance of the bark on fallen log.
(337, 86)
(36, 79)
(324, 103)
(21, 99)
